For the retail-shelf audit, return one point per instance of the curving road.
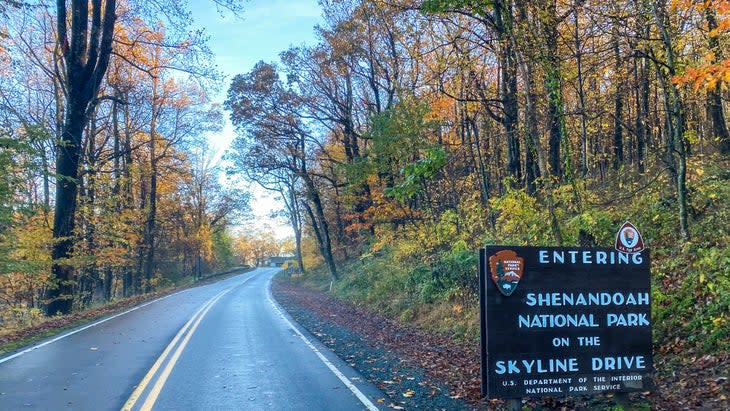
(222, 346)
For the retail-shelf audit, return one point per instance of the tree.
(86, 51)
(274, 139)
(85, 31)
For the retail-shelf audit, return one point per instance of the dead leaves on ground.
(699, 382)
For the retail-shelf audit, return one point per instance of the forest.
(109, 188)
(410, 135)
(416, 132)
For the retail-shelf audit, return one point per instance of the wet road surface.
(223, 346)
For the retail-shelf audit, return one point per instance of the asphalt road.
(222, 346)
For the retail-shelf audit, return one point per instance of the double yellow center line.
(183, 337)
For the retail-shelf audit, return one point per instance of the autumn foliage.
(414, 133)
(116, 126)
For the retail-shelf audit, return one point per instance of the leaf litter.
(419, 370)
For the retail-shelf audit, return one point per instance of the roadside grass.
(14, 337)
(409, 292)
(434, 285)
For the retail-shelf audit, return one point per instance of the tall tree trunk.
(714, 95)
(92, 270)
(536, 169)
(318, 215)
(86, 55)
(60, 295)
(553, 81)
(675, 115)
(116, 188)
(503, 20)
(142, 241)
(618, 100)
(292, 204)
(484, 184)
(581, 97)
(128, 281)
(534, 143)
(641, 79)
(150, 232)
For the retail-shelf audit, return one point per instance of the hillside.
(436, 289)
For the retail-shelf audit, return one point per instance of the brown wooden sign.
(564, 321)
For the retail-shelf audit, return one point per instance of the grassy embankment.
(425, 275)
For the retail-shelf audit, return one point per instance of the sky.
(264, 29)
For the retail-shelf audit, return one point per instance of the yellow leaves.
(442, 108)
(705, 77)
(32, 241)
(676, 5)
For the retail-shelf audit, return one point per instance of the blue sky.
(265, 29)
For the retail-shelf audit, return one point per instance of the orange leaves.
(442, 108)
(706, 77)
(386, 210)
(713, 67)
(721, 7)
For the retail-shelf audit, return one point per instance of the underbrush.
(426, 275)
(692, 279)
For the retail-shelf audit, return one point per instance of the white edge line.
(360, 396)
(86, 327)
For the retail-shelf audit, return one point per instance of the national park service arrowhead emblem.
(629, 240)
(506, 268)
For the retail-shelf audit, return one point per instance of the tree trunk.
(503, 19)
(581, 98)
(297, 227)
(641, 78)
(60, 295)
(318, 216)
(151, 223)
(675, 116)
(86, 55)
(618, 101)
(553, 88)
(714, 95)
(484, 184)
(128, 195)
(534, 137)
(90, 232)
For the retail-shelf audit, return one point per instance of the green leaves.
(416, 174)
(10, 175)
(401, 148)
(476, 7)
